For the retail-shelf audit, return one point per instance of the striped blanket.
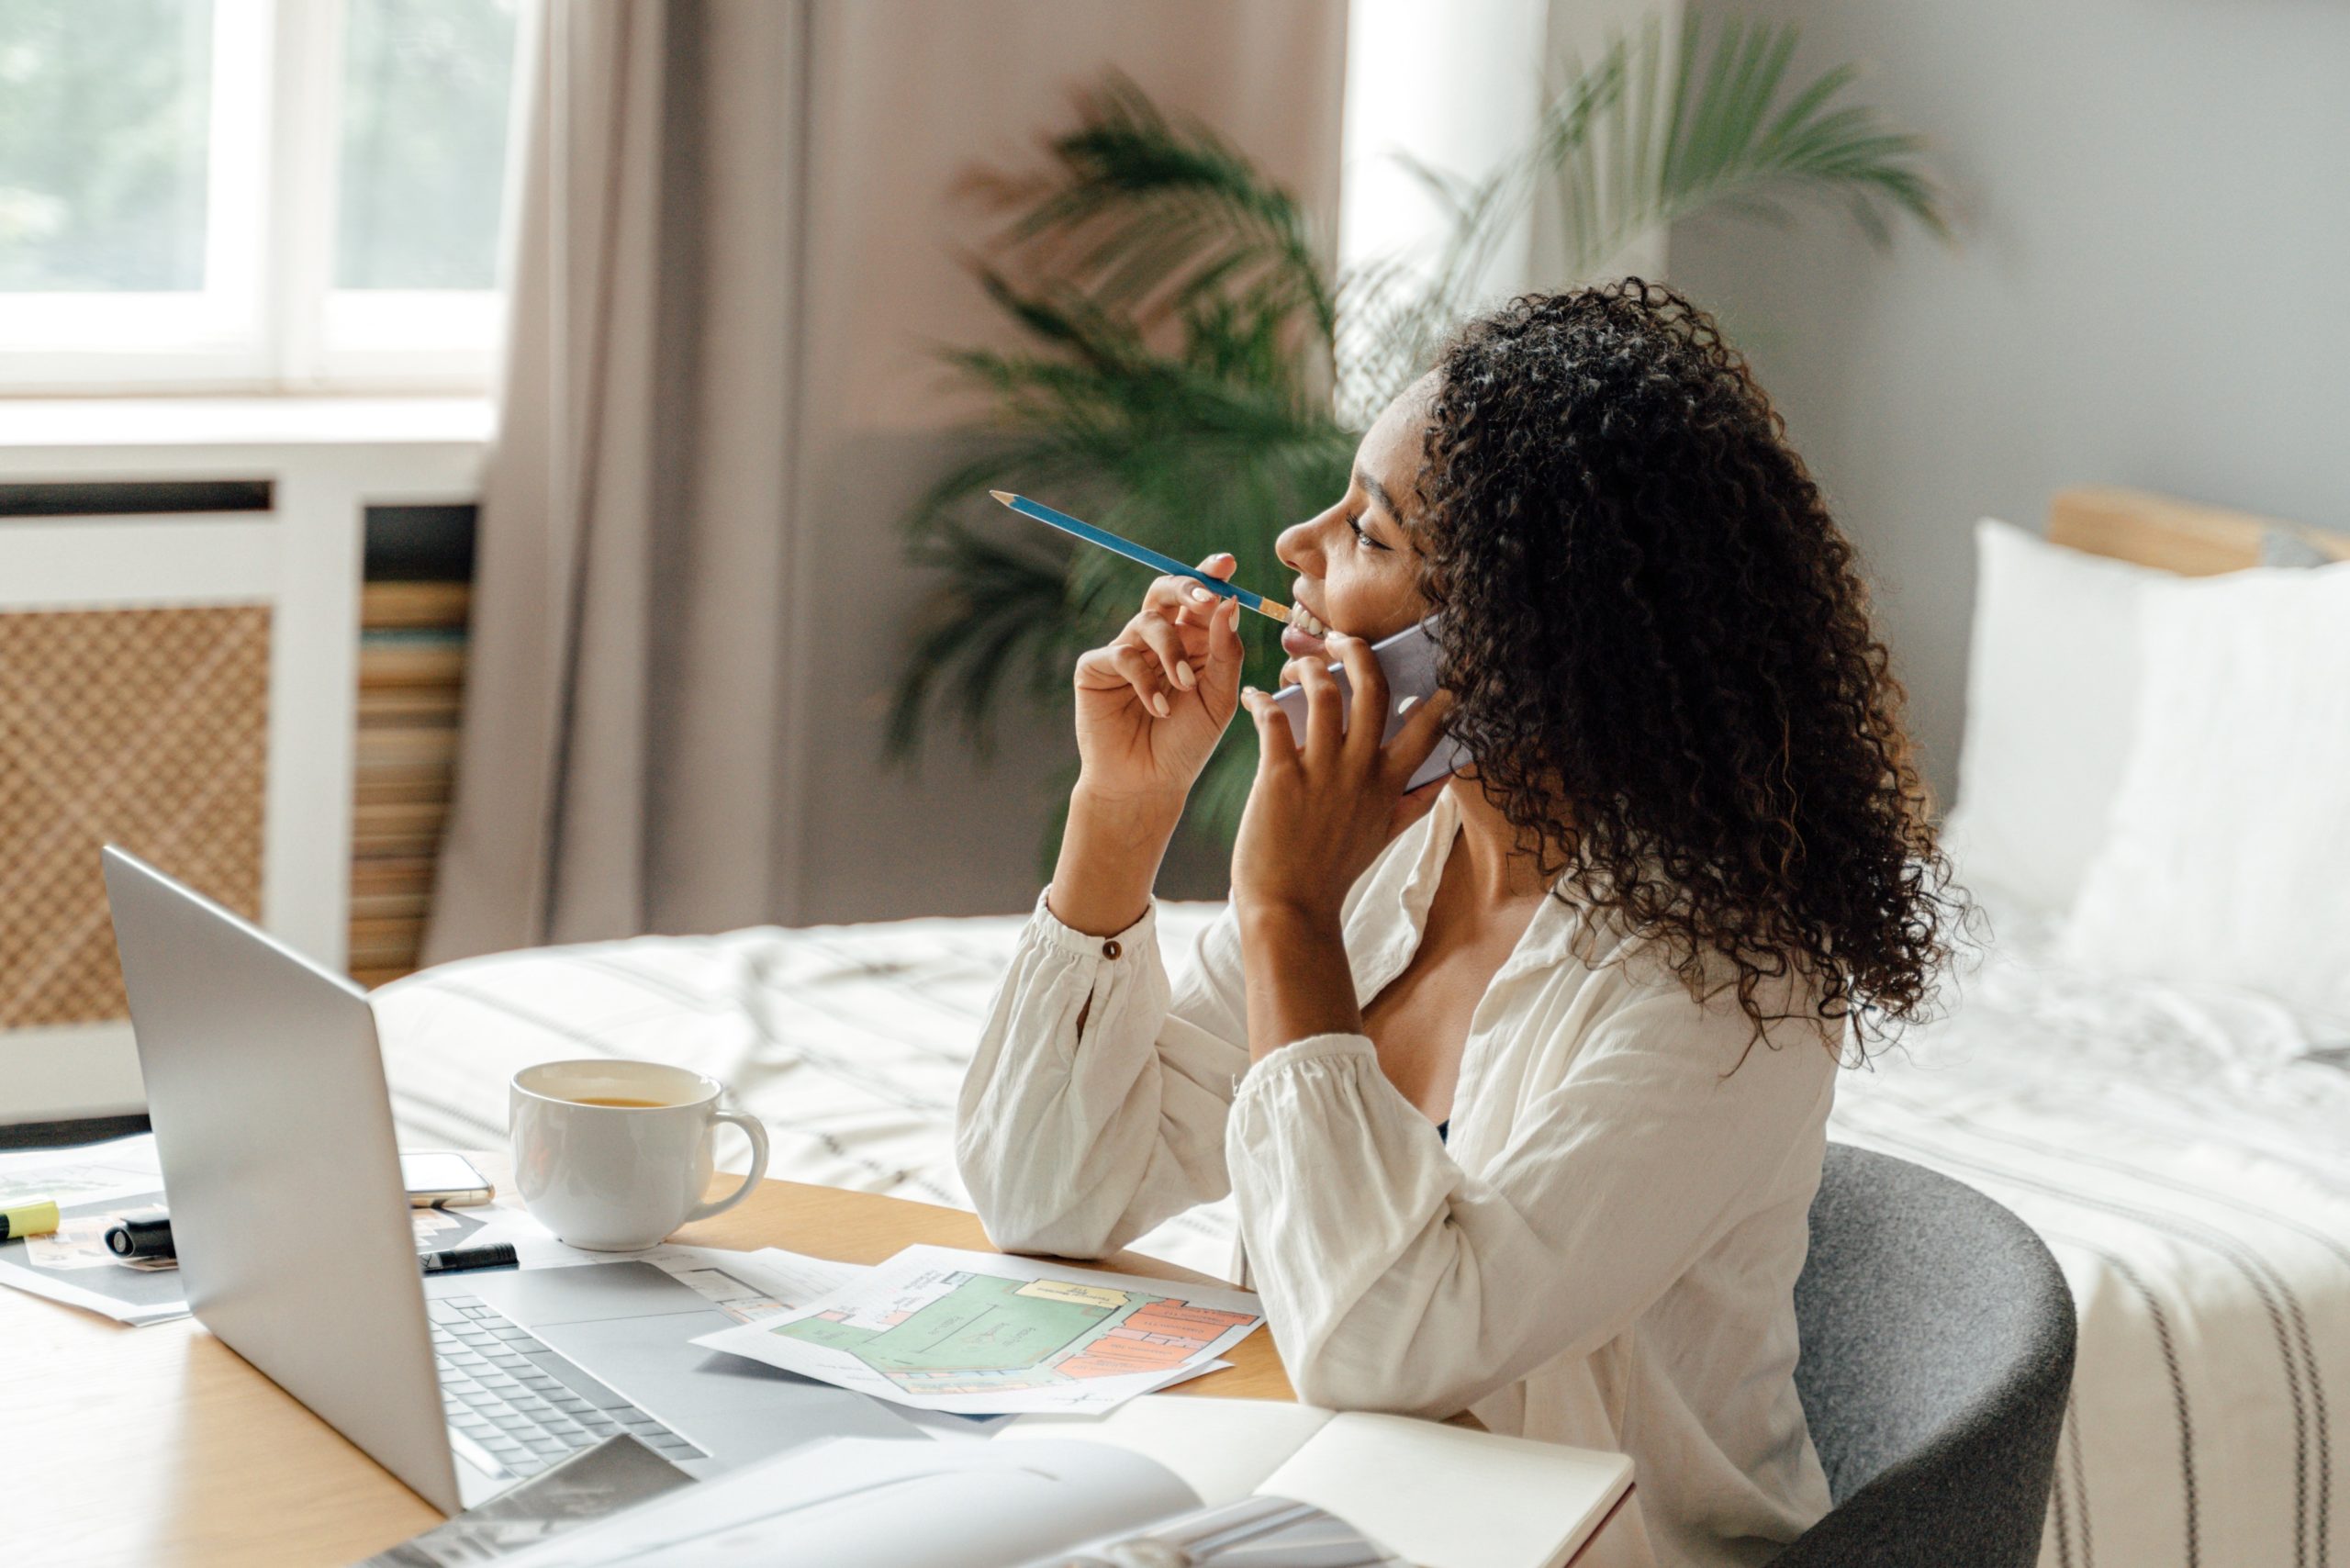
(2186, 1155)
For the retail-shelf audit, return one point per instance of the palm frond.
(1746, 136)
(997, 609)
(1147, 205)
(1659, 127)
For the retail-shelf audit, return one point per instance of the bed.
(2184, 1147)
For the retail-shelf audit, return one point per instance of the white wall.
(1456, 87)
(886, 288)
(1459, 87)
(2151, 286)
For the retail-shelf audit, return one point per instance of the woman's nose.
(1296, 549)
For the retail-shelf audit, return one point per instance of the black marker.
(499, 1255)
(147, 1234)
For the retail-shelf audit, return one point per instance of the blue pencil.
(1272, 608)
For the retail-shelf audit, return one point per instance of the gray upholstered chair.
(1937, 1354)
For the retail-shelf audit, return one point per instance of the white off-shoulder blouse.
(1603, 1253)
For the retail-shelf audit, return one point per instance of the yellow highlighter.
(35, 1217)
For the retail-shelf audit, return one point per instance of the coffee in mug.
(612, 1156)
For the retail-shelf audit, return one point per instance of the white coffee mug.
(618, 1178)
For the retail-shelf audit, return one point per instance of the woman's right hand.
(1150, 708)
(1152, 704)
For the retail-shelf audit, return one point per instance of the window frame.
(269, 318)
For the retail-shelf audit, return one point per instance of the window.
(253, 194)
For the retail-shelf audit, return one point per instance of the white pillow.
(2051, 684)
(2228, 860)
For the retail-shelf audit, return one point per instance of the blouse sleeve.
(1095, 1104)
(1396, 1281)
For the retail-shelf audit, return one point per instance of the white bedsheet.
(849, 1042)
(2186, 1158)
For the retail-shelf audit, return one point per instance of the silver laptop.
(265, 1085)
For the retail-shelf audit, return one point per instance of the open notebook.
(1229, 1482)
(1436, 1496)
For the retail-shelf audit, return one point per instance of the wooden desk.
(154, 1448)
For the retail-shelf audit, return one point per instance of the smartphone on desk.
(443, 1182)
(1408, 661)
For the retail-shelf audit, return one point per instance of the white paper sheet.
(72, 1267)
(80, 1242)
(86, 1174)
(976, 1333)
(800, 1281)
(746, 1286)
(137, 1296)
(95, 1183)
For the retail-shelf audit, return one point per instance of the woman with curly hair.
(1477, 1064)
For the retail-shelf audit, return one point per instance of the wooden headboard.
(2173, 535)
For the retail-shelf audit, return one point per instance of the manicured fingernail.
(1406, 705)
(1201, 595)
(1184, 678)
(1158, 704)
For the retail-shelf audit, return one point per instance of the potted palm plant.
(1195, 375)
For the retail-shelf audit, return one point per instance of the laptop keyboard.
(519, 1405)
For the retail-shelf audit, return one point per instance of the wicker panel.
(146, 728)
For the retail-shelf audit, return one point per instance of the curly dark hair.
(1713, 748)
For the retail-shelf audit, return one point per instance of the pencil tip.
(1006, 496)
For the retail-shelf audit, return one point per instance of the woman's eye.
(1355, 523)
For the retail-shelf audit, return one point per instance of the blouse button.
(1111, 949)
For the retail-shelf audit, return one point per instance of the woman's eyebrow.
(1378, 493)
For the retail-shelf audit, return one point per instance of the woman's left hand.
(1322, 808)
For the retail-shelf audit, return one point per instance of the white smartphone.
(444, 1181)
(1408, 661)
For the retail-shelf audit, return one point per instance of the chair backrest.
(1937, 1354)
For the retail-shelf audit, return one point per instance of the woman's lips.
(1304, 636)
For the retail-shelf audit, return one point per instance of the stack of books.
(411, 689)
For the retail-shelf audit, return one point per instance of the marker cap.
(147, 1234)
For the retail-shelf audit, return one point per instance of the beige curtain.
(737, 256)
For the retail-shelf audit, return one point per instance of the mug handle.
(758, 1133)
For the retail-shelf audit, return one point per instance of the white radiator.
(183, 682)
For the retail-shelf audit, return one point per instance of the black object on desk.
(497, 1255)
(147, 1234)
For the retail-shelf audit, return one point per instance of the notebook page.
(1449, 1497)
(1223, 1448)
